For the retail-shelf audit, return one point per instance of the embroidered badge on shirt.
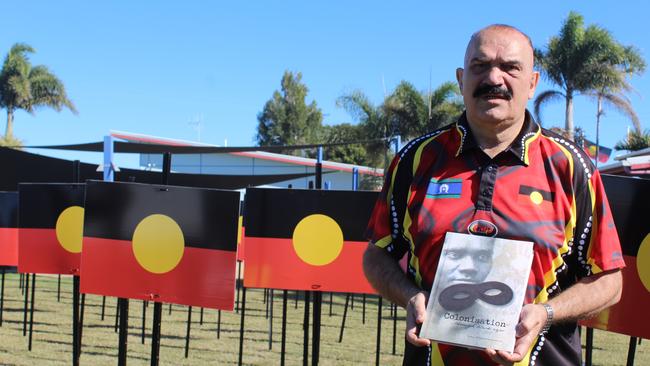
(446, 188)
(482, 228)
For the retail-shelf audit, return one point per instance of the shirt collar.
(520, 147)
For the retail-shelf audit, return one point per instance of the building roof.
(289, 159)
(636, 163)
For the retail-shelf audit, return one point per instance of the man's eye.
(453, 254)
(484, 258)
(509, 68)
(479, 67)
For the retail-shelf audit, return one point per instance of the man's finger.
(497, 356)
(412, 337)
(531, 320)
(416, 315)
(507, 358)
(420, 310)
(522, 345)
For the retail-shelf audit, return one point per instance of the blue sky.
(153, 67)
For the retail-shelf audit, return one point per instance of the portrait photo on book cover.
(464, 271)
(478, 291)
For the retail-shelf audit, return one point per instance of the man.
(507, 177)
(465, 263)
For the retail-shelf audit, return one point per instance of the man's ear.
(459, 78)
(534, 79)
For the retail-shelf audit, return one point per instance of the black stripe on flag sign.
(628, 199)
(42, 203)
(129, 203)
(8, 209)
(527, 190)
(276, 212)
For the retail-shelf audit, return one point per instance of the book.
(478, 291)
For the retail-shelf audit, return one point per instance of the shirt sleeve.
(598, 245)
(384, 228)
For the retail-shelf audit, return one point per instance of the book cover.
(478, 291)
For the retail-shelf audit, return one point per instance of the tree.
(351, 154)
(612, 84)
(286, 118)
(445, 106)
(11, 141)
(406, 112)
(581, 61)
(28, 88)
(415, 113)
(611, 81)
(635, 140)
(373, 124)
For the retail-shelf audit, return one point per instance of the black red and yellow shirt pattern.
(542, 189)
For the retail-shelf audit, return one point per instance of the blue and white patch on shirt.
(445, 188)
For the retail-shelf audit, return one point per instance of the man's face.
(465, 263)
(498, 78)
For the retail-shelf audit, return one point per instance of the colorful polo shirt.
(542, 189)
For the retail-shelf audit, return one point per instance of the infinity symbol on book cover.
(463, 295)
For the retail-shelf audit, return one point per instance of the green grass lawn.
(53, 332)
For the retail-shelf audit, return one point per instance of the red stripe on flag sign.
(624, 317)
(273, 263)
(8, 246)
(39, 251)
(203, 277)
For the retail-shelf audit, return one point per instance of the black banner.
(276, 212)
(114, 210)
(629, 198)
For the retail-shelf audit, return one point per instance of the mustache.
(485, 89)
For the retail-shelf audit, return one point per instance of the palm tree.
(581, 61)
(25, 87)
(612, 84)
(417, 113)
(373, 122)
(635, 140)
(406, 112)
(616, 101)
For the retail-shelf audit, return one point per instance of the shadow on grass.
(128, 355)
(36, 323)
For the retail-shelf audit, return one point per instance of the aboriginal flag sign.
(50, 221)
(590, 148)
(8, 228)
(629, 198)
(162, 243)
(306, 239)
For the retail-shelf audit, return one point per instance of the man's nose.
(467, 265)
(494, 76)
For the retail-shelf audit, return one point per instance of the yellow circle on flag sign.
(643, 262)
(318, 239)
(536, 197)
(69, 229)
(158, 243)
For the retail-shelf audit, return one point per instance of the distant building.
(636, 163)
(337, 176)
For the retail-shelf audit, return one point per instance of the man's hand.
(586, 298)
(531, 322)
(416, 313)
(385, 275)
